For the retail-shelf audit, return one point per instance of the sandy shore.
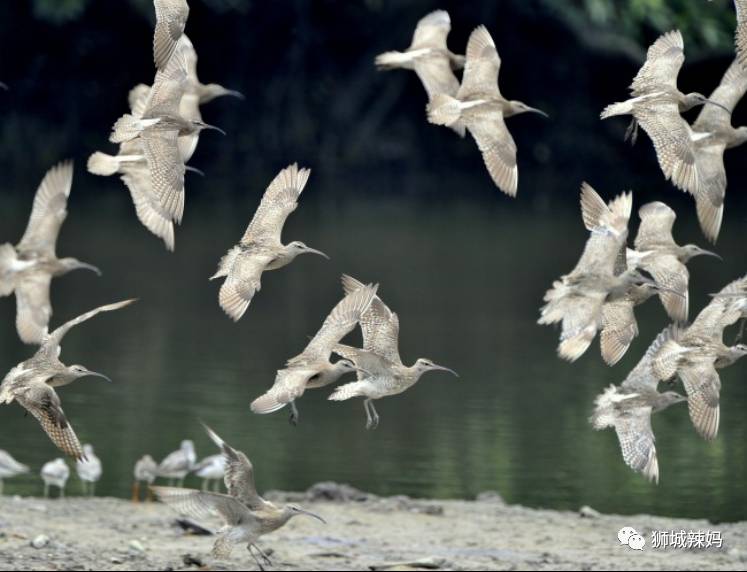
(363, 532)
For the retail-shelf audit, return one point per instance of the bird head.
(518, 107)
(187, 446)
(69, 264)
(212, 90)
(424, 365)
(694, 99)
(690, 251)
(297, 247)
(292, 510)
(77, 371)
(200, 125)
(670, 398)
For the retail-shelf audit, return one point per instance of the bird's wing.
(740, 35)
(703, 386)
(187, 49)
(498, 150)
(147, 207)
(673, 142)
(243, 281)
(642, 376)
(280, 199)
(289, 385)
(374, 366)
(166, 167)
(725, 309)
(204, 505)
(49, 211)
(670, 273)
(432, 31)
(663, 62)
(436, 75)
(600, 254)
(709, 159)
(51, 343)
(380, 326)
(636, 438)
(340, 322)
(239, 473)
(33, 306)
(482, 65)
(44, 404)
(619, 329)
(731, 89)
(581, 320)
(171, 18)
(168, 88)
(657, 221)
(189, 108)
(137, 99)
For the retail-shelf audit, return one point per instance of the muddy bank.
(363, 532)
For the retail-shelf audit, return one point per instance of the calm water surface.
(466, 276)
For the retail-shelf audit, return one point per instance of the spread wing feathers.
(633, 428)
(380, 326)
(51, 343)
(49, 211)
(598, 215)
(33, 307)
(642, 377)
(166, 169)
(725, 309)
(498, 150)
(374, 365)
(168, 88)
(436, 75)
(581, 320)
(202, 505)
(340, 322)
(740, 36)
(670, 273)
(147, 207)
(44, 404)
(239, 474)
(702, 384)
(171, 18)
(280, 199)
(657, 221)
(290, 384)
(710, 200)
(673, 142)
(619, 329)
(482, 65)
(432, 31)
(242, 282)
(137, 99)
(663, 62)
(8, 257)
(731, 89)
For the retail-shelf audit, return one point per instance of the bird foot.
(293, 419)
(631, 134)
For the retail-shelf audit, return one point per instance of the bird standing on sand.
(261, 249)
(311, 368)
(246, 515)
(178, 464)
(10, 468)
(697, 352)
(479, 105)
(381, 371)
(28, 268)
(171, 19)
(146, 471)
(55, 474)
(32, 383)
(89, 470)
(656, 105)
(628, 408)
(212, 468)
(429, 57)
(709, 151)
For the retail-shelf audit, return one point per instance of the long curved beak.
(312, 515)
(214, 128)
(717, 104)
(538, 112)
(236, 94)
(194, 170)
(442, 368)
(710, 253)
(315, 251)
(97, 374)
(91, 267)
(363, 371)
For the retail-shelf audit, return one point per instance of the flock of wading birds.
(158, 137)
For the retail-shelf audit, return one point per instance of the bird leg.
(631, 134)
(375, 415)
(740, 334)
(369, 420)
(251, 548)
(46, 491)
(93, 489)
(263, 555)
(62, 492)
(136, 492)
(1, 487)
(204, 485)
(293, 419)
(149, 494)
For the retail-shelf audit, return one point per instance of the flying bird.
(261, 249)
(32, 383)
(312, 368)
(28, 268)
(171, 19)
(479, 105)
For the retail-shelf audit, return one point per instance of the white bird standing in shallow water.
(55, 474)
(28, 268)
(146, 471)
(89, 470)
(246, 515)
(212, 468)
(261, 249)
(10, 468)
(178, 464)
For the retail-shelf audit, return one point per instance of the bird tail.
(575, 346)
(710, 217)
(603, 415)
(348, 391)
(618, 108)
(226, 262)
(266, 403)
(222, 548)
(105, 165)
(231, 300)
(128, 127)
(392, 60)
(444, 110)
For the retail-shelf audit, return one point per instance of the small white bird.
(146, 471)
(212, 468)
(55, 473)
(177, 465)
(9, 468)
(89, 470)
